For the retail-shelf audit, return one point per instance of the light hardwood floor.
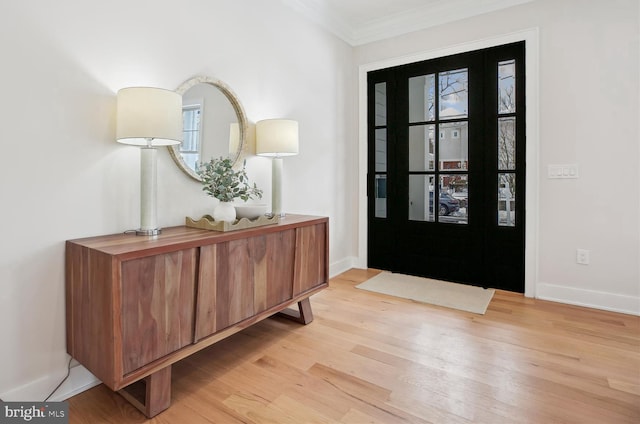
(369, 358)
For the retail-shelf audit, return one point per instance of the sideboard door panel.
(311, 257)
(279, 268)
(234, 283)
(158, 296)
(241, 278)
(206, 299)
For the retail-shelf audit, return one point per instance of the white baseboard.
(589, 298)
(342, 266)
(80, 379)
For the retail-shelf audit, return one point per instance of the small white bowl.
(250, 210)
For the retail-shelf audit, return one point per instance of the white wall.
(63, 176)
(588, 112)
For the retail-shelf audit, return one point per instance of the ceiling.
(363, 21)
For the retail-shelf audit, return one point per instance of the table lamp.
(277, 138)
(148, 117)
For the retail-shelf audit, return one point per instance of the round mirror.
(214, 124)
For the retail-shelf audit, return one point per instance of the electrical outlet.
(582, 256)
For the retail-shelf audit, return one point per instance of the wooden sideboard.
(136, 304)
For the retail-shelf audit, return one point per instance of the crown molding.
(393, 25)
(320, 13)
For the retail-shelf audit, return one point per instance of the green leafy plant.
(219, 180)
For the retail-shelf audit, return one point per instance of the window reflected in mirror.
(190, 149)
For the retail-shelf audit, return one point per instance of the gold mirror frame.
(242, 123)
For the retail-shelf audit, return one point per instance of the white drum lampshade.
(277, 137)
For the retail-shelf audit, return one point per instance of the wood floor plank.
(354, 416)
(372, 358)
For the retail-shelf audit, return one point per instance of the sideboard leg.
(304, 315)
(152, 394)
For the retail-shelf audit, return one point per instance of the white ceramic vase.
(225, 211)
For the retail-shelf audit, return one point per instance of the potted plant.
(221, 181)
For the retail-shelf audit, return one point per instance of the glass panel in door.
(507, 86)
(422, 148)
(453, 89)
(507, 199)
(453, 198)
(506, 143)
(454, 145)
(421, 189)
(381, 147)
(422, 98)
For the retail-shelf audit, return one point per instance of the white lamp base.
(148, 192)
(276, 184)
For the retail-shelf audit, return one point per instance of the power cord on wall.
(60, 384)
(63, 380)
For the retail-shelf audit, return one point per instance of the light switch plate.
(562, 171)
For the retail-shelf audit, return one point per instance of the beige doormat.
(441, 293)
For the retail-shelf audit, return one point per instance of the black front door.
(446, 160)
